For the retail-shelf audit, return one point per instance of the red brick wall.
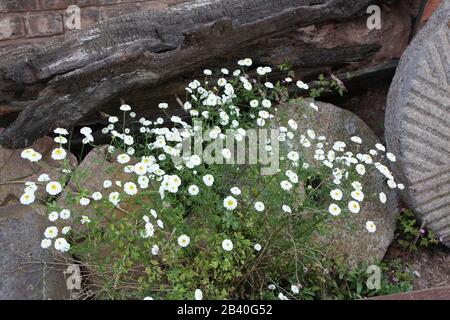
(23, 21)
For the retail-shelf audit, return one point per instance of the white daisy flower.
(198, 294)
(257, 247)
(97, 196)
(261, 71)
(269, 85)
(130, 188)
(380, 147)
(360, 169)
(114, 198)
(53, 216)
(354, 206)
(336, 194)
(123, 158)
(281, 296)
(259, 206)
(293, 156)
(371, 227)
(286, 209)
(27, 198)
(193, 190)
(293, 124)
(266, 103)
(86, 131)
(61, 131)
(357, 185)
(30, 187)
(35, 156)
(149, 230)
(85, 219)
(357, 195)
(46, 243)
(25, 154)
(356, 139)
(235, 191)
(311, 134)
(183, 241)
(295, 289)
(140, 168)
(208, 180)
(163, 105)
(43, 178)
(66, 230)
(64, 214)
(254, 103)
(53, 188)
(334, 209)
(88, 139)
(125, 107)
(62, 245)
(51, 232)
(221, 82)
(60, 140)
(286, 185)
(107, 184)
(391, 184)
(247, 62)
(391, 157)
(84, 201)
(230, 203)
(293, 177)
(155, 250)
(227, 245)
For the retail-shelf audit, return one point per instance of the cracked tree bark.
(68, 80)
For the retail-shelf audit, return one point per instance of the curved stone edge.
(396, 110)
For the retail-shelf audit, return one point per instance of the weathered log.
(71, 78)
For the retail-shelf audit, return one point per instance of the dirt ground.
(431, 266)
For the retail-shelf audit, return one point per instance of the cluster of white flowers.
(149, 229)
(52, 232)
(163, 141)
(342, 163)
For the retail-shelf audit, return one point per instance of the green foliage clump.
(411, 235)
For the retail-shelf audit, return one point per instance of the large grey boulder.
(27, 272)
(345, 237)
(418, 123)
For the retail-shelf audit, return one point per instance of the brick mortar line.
(17, 12)
(62, 11)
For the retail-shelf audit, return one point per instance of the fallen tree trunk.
(70, 79)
